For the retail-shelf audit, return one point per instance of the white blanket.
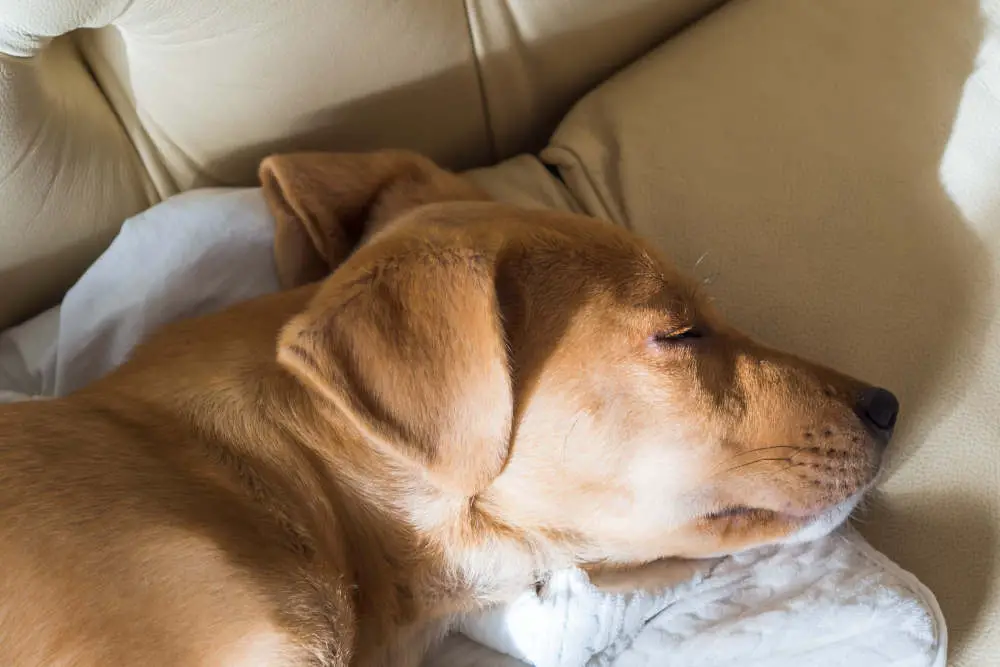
(832, 602)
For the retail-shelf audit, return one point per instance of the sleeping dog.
(451, 399)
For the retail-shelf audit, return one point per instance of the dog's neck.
(457, 552)
(419, 555)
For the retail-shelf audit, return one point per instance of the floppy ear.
(324, 204)
(412, 350)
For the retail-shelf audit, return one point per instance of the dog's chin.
(826, 521)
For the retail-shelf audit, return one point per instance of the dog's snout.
(878, 409)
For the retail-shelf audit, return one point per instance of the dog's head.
(554, 373)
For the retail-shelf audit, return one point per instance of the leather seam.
(481, 82)
(153, 191)
(574, 157)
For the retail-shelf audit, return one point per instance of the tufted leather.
(109, 105)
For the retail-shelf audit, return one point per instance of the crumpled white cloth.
(832, 602)
(835, 601)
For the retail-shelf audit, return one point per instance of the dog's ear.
(412, 349)
(324, 204)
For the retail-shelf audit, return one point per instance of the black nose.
(878, 408)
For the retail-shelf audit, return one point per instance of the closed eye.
(691, 333)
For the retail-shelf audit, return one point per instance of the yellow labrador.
(472, 396)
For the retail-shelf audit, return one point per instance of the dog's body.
(194, 527)
(479, 395)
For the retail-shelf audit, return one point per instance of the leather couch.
(831, 167)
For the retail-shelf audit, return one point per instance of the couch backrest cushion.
(152, 97)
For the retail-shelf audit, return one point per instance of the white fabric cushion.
(832, 169)
(835, 601)
(831, 602)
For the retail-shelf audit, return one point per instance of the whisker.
(758, 450)
(791, 465)
(572, 426)
(856, 518)
(796, 453)
(754, 462)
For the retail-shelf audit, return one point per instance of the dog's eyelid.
(680, 334)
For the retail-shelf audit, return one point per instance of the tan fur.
(474, 397)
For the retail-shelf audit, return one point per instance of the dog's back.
(127, 538)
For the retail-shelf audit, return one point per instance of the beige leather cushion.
(524, 181)
(537, 57)
(217, 85)
(832, 169)
(203, 89)
(67, 175)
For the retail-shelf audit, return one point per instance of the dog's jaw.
(827, 521)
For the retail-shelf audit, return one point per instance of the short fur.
(472, 396)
